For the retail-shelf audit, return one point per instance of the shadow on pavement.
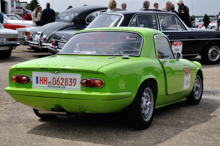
(113, 129)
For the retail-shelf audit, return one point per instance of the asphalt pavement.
(178, 124)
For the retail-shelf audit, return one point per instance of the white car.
(20, 22)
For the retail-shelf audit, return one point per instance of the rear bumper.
(72, 101)
(38, 45)
(9, 45)
(53, 49)
(23, 41)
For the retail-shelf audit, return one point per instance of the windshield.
(104, 43)
(18, 17)
(105, 21)
(65, 16)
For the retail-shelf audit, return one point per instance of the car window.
(108, 20)
(180, 26)
(65, 16)
(163, 48)
(104, 43)
(168, 23)
(147, 21)
(92, 16)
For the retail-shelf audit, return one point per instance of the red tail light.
(22, 79)
(52, 43)
(45, 39)
(12, 39)
(28, 34)
(92, 83)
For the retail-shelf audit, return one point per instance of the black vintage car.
(71, 19)
(195, 41)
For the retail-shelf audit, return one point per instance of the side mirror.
(178, 56)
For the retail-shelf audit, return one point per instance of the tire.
(42, 116)
(5, 54)
(141, 111)
(211, 54)
(197, 91)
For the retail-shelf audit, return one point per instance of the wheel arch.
(200, 73)
(208, 43)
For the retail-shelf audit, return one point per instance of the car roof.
(142, 31)
(150, 11)
(84, 9)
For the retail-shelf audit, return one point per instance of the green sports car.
(107, 70)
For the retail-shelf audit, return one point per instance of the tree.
(31, 5)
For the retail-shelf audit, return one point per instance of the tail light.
(44, 38)
(52, 43)
(28, 34)
(92, 83)
(12, 39)
(22, 79)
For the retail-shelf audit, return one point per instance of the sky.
(197, 7)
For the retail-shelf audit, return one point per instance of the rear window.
(105, 21)
(104, 43)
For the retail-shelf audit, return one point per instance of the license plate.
(21, 35)
(60, 45)
(60, 81)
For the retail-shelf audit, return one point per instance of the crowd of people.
(40, 17)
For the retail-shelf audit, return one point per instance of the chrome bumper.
(38, 45)
(53, 49)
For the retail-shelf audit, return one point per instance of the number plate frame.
(45, 80)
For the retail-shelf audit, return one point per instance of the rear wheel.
(141, 110)
(196, 94)
(211, 54)
(5, 54)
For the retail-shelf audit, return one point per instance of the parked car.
(8, 25)
(14, 17)
(19, 22)
(66, 20)
(106, 70)
(195, 41)
(8, 41)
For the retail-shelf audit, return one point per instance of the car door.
(176, 31)
(173, 69)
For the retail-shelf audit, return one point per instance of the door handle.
(164, 62)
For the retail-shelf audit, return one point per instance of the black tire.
(5, 54)
(211, 54)
(43, 116)
(197, 91)
(135, 110)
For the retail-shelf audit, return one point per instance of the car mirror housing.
(178, 56)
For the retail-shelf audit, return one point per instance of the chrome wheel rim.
(214, 53)
(147, 104)
(197, 88)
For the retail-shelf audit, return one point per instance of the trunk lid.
(68, 62)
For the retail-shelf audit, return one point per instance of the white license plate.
(21, 35)
(60, 81)
(60, 45)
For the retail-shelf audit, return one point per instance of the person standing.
(183, 12)
(124, 6)
(27, 16)
(156, 5)
(48, 14)
(35, 9)
(206, 21)
(112, 6)
(37, 15)
(146, 5)
(172, 9)
(193, 21)
(218, 21)
(168, 6)
(1, 18)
